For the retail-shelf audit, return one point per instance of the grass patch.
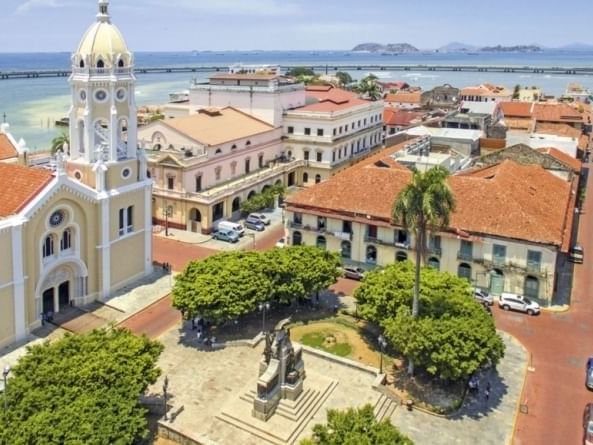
(327, 342)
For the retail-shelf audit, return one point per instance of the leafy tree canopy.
(81, 389)
(300, 71)
(229, 285)
(344, 78)
(263, 200)
(59, 142)
(356, 426)
(453, 335)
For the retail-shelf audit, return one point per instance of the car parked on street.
(354, 273)
(508, 301)
(229, 236)
(589, 376)
(576, 254)
(281, 243)
(588, 424)
(254, 224)
(260, 217)
(481, 296)
(233, 226)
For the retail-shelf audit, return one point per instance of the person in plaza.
(487, 391)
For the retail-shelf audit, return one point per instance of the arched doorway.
(531, 287)
(195, 220)
(64, 295)
(371, 255)
(266, 188)
(297, 239)
(464, 270)
(317, 179)
(401, 256)
(346, 249)
(305, 177)
(61, 286)
(251, 194)
(434, 263)
(236, 208)
(496, 282)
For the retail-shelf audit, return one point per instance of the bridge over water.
(575, 71)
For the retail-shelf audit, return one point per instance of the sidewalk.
(123, 304)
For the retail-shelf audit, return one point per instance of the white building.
(262, 94)
(566, 144)
(333, 131)
(466, 142)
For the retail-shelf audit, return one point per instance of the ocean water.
(32, 105)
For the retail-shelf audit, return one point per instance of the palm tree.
(368, 87)
(59, 142)
(424, 206)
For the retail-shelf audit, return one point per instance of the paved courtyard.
(205, 385)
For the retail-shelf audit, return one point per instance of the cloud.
(267, 8)
(28, 5)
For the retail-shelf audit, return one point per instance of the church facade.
(75, 234)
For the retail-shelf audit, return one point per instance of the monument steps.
(252, 429)
(310, 413)
(296, 411)
(384, 407)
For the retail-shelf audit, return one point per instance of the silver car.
(519, 303)
(260, 217)
(483, 297)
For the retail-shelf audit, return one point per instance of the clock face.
(82, 95)
(101, 95)
(121, 94)
(56, 218)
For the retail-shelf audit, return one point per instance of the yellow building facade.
(76, 234)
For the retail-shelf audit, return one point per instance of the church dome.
(102, 45)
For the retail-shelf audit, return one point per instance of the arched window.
(371, 256)
(234, 147)
(321, 242)
(401, 256)
(305, 177)
(464, 271)
(297, 239)
(236, 204)
(81, 64)
(195, 215)
(289, 154)
(66, 241)
(434, 263)
(148, 175)
(218, 151)
(531, 289)
(48, 246)
(100, 64)
(317, 179)
(120, 63)
(247, 144)
(346, 250)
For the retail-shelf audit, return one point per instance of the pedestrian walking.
(199, 336)
(487, 393)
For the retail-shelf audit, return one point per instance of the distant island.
(395, 48)
(511, 49)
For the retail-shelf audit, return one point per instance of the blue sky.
(160, 25)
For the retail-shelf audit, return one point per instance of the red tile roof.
(562, 157)
(404, 98)
(332, 99)
(517, 109)
(556, 113)
(7, 149)
(400, 118)
(508, 200)
(20, 185)
(558, 130)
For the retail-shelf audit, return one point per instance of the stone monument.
(281, 374)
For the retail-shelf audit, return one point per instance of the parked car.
(228, 225)
(229, 236)
(354, 273)
(576, 254)
(281, 242)
(589, 377)
(261, 217)
(483, 297)
(255, 224)
(508, 301)
(588, 423)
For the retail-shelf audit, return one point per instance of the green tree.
(298, 272)
(59, 142)
(424, 205)
(356, 426)
(451, 338)
(264, 200)
(516, 91)
(81, 389)
(223, 287)
(344, 78)
(368, 87)
(300, 71)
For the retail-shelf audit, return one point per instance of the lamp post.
(5, 373)
(382, 345)
(263, 307)
(165, 387)
(167, 213)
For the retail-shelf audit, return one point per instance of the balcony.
(465, 256)
(434, 251)
(535, 268)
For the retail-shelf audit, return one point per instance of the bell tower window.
(120, 64)
(81, 64)
(100, 64)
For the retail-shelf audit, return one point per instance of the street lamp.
(263, 307)
(167, 213)
(165, 387)
(5, 373)
(382, 345)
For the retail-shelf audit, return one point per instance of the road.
(159, 317)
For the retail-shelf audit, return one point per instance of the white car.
(519, 303)
(281, 242)
(260, 217)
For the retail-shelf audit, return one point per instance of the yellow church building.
(78, 232)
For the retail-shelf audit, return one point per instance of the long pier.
(575, 71)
